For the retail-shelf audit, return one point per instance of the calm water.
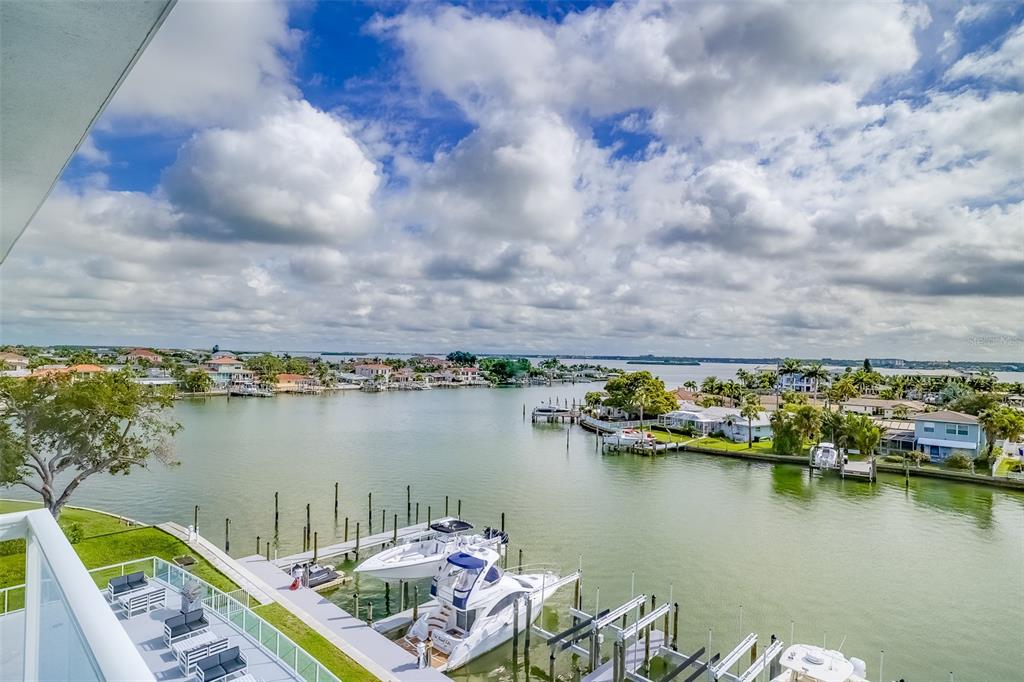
(931, 574)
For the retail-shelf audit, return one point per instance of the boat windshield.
(467, 577)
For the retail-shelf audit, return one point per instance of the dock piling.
(227, 539)
(346, 529)
(417, 513)
(446, 505)
(258, 545)
(195, 519)
(276, 515)
(459, 507)
(428, 515)
(415, 603)
(515, 630)
(394, 540)
(335, 499)
(502, 522)
(675, 627)
(314, 547)
(309, 524)
(357, 539)
(355, 600)
(268, 550)
(369, 511)
(408, 505)
(520, 557)
(529, 621)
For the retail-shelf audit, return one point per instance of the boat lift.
(636, 643)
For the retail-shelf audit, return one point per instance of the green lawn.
(666, 437)
(310, 640)
(1004, 466)
(724, 444)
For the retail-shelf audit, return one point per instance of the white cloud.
(212, 63)
(297, 175)
(1004, 65)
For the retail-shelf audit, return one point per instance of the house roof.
(223, 361)
(12, 357)
(87, 369)
(946, 416)
(290, 377)
(373, 365)
(143, 352)
(49, 370)
(879, 402)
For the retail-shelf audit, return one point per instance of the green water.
(932, 574)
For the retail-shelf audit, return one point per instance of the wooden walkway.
(364, 544)
(221, 561)
(367, 647)
(634, 659)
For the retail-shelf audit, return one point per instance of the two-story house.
(943, 433)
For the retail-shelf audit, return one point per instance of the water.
(930, 574)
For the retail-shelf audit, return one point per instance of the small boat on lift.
(809, 663)
(825, 456)
(422, 558)
(625, 438)
(475, 608)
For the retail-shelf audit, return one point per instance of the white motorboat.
(825, 456)
(809, 663)
(627, 438)
(422, 558)
(475, 603)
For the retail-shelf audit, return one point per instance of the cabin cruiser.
(627, 438)
(825, 456)
(313, 575)
(809, 663)
(423, 558)
(475, 607)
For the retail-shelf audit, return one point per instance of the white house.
(373, 370)
(14, 361)
(887, 409)
(735, 428)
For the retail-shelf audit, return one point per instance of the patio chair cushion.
(229, 655)
(209, 663)
(175, 621)
(233, 665)
(179, 630)
(214, 673)
(118, 581)
(195, 619)
(136, 579)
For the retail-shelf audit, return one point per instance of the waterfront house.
(887, 409)
(224, 371)
(897, 436)
(140, 354)
(13, 361)
(736, 428)
(373, 370)
(87, 369)
(297, 383)
(700, 420)
(943, 433)
(50, 370)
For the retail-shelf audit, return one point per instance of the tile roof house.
(13, 360)
(141, 354)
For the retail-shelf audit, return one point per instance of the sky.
(732, 179)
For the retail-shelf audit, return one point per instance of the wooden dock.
(634, 659)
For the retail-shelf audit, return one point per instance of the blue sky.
(700, 179)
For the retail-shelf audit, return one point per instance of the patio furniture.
(221, 666)
(138, 602)
(184, 625)
(121, 585)
(189, 652)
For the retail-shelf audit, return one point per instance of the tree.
(1000, 422)
(817, 373)
(841, 391)
(53, 428)
(711, 385)
(900, 412)
(833, 425)
(867, 366)
(594, 399)
(690, 385)
(807, 420)
(750, 409)
(786, 438)
(973, 403)
(197, 381)
(462, 358)
(322, 371)
(863, 433)
(267, 366)
(638, 391)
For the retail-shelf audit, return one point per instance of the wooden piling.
(258, 545)
(446, 505)
(369, 511)
(268, 550)
(408, 505)
(675, 626)
(502, 522)
(335, 499)
(459, 507)
(520, 556)
(355, 600)
(417, 513)
(314, 547)
(529, 623)
(428, 515)
(276, 515)
(357, 540)
(309, 524)
(515, 630)
(415, 603)
(383, 524)
(394, 540)
(369, 608)
(346, 529)
(227, 539)
(195, 519)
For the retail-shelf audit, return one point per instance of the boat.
(474, 608)
(809, 663)
(825, 456)
(314, 575)
(627, 438)
(422, 558)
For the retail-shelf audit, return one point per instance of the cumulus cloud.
(212, 63)
(638, 177)
(295, 176)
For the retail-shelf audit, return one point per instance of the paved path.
(364, 544)
(221, 561)
(359, 641)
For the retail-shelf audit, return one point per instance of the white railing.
(226, 604)
(68, 624)
(594, 422)
(12, 603)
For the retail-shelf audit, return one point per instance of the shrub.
(958, 460)
(74, 533)
(9, 547)
(893, 458)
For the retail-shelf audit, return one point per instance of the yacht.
(825, 456)
(627, 438)
(809, 663)
(423, 558)
(314, 575)
(474, 609)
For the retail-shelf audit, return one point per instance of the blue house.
(943, 433)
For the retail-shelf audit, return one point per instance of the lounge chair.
(184, 625)
(124, 584)
(221, 666)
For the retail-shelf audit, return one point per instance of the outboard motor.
(491, 533)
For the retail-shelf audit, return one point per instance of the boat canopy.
(451, 526)
(463, 560)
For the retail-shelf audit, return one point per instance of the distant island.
(662, 361)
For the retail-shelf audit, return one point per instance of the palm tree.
(711, 385)
(863, 433)
(807, 419)
(790, 366)
(690, 385)
(900, 412)
(817, 373)
(750, 410)
(833, 424)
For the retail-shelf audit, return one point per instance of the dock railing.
(602, 425)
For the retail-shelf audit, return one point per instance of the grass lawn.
(667, 437)
(310, 640)
(1004, 466)
(713, 443)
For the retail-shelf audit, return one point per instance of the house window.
(929, 427)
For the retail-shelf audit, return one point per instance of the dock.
(865, 470)
(360, 642)
(634, 656)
